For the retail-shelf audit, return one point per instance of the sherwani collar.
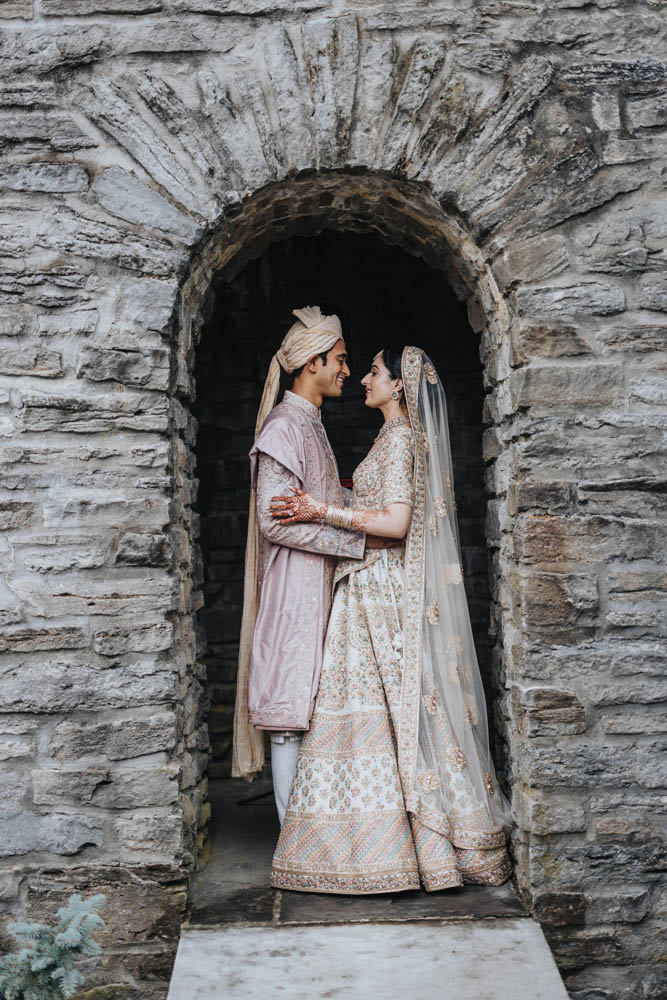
(303, 404)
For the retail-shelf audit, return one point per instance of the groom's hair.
(299, 371)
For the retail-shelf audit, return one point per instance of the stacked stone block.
(145, 146)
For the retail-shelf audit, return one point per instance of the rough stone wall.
(520, 147)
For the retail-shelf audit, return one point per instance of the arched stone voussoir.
(398, 211)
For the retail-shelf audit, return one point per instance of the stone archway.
(396, 212)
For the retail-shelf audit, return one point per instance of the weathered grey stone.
(533, 260)
(629, 691)
(52, 787)
(56, 833)
(606, 111)
(143, 549)
(643, 608)
(16, 8)
(546, 817)
(569, 384)
(122, 194)
(146, 836)
(35, 131)
(13, 746)
(590, 297)
(97, 414)
(24, 640)
(114, 511)
(130, 788)
(120, 739)
(646, 112)
(559, 908)
(31, 360)
(76, 322)
(622, 765)
(56, 178)
(653, 292)
(77, 596)
(145, 369)
(43, 51)
(146, 301)
(15, 513)
(63, 230)
(558, 598)
(87, 554)
(71, 8)
(550, 710)
(62, 686)
(635, 722)
(137, 637)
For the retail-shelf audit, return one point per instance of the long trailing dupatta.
(444, 760)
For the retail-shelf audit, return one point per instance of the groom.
(289, 569)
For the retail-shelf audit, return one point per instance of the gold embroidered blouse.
(384, 477)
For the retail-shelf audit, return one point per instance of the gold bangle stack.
(339, 517)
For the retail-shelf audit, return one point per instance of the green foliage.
(45, 970)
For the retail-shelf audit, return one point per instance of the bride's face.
(378, 384)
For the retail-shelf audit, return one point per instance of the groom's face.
(331, 377)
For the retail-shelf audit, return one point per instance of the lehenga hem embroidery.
(342, 885)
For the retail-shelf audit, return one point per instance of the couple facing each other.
(356, 649)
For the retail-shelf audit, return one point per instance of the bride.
(394, 784)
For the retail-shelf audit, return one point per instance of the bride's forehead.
(378, 359)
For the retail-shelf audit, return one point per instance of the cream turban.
(312, 334)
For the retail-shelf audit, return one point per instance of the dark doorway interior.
(383, 296)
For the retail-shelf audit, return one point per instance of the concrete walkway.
(246, 940)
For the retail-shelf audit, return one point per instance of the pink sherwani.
(296, 566)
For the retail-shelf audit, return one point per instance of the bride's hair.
(391, 357)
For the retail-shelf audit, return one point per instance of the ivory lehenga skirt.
(346, 829)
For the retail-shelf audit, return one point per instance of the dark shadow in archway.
(382, 295)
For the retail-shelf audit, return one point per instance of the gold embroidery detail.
(429, 781)
(433, 525)
(425, 442)
(489, 784)
(457, 759)
(432, 613)
(473, 717)
(431, 702)
(430, 373)
(458, 643)
(452, 573)
(440, 505)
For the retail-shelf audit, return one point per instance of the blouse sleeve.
(398, 467)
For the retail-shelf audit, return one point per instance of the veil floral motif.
(445, 764)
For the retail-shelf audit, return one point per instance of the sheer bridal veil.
(446, 769)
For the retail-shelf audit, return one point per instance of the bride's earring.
(395, 394)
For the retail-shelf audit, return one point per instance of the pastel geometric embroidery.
(432, 613)
(452, 573)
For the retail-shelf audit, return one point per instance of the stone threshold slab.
(494, 959)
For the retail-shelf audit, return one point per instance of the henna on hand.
(299, 508)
